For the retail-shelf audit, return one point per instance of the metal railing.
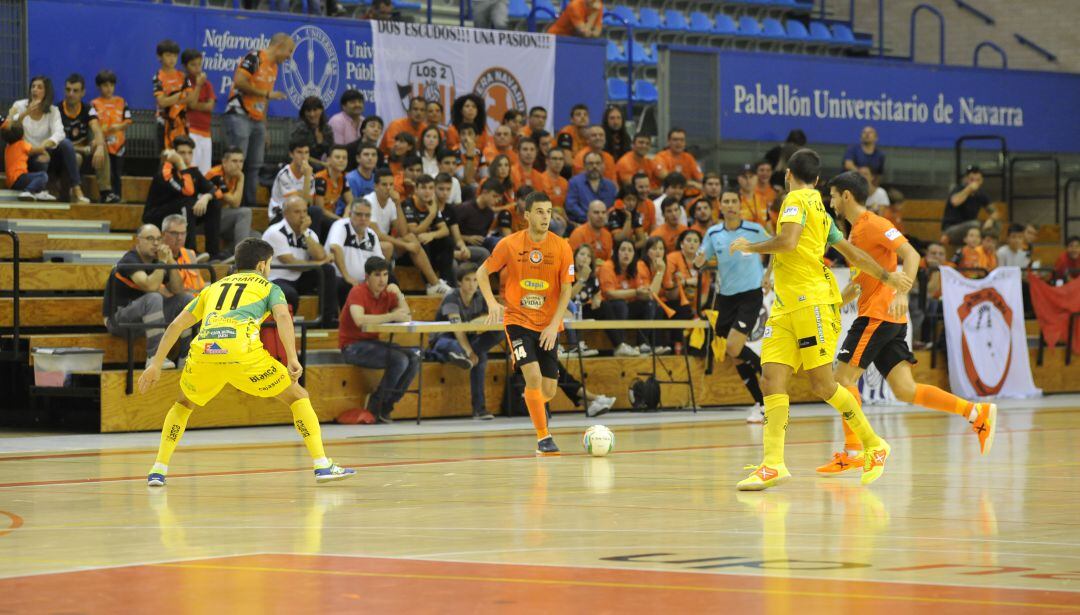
(1055, 195)
(1001, 52)
(1069, 217)
(1003, 156)
(941, 31)
(15, 351)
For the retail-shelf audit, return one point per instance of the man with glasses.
(350, 243)
(174, 233)
(137, 294)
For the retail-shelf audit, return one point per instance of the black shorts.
(525, 348)
(739, 311)
(878, 342)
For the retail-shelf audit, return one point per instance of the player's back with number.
(230, 313)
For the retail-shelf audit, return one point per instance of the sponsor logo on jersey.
(219, 333)
(534, 284)
(533, 302)
(892, 234)
(536, 257)
(791, 211)
(263, 376)
(213, 348)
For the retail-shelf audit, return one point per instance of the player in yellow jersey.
(228, 351)
(803, 327)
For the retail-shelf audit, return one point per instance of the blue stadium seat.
(675, 21)
(772, 28)
(819, 32)
(700, 23)
(649, 19)
(519, 9)
(541, 16)
(748, 26)
(724, 24)
(617, 89)
(796, 30)
(407, 6)
(645, 92)
(842, 34)
(614, 54)
(626, 13)
(642, 57)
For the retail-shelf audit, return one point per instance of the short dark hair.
(536, 196)
(424, 180)
(445, 153)
(369, 119)
(12, 132)
(189, 55)
(375, 264)
(411, 161)
(537, 108)
(669, 203)
(757, 165)
(796, 137)
(491, 185)
(524, 140)
(336, 147)
(1016, 227)
(381, 172)
(1073, 238)
(167, 46)
(416, 98)
(366, 146)
(444, 178)
(105, 76)
(853, 182)
(805, 165)
(229, 151)
(406, 137)
(637, 176)
(251, 252)
(579, 107)
(511, 115)
(350, 95)
(183, 140)
(76, 78)
(675, 130)
(674, 179)
(464, 270)
(683, 235)
(298, 142)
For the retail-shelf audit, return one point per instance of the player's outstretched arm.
(183, 321)
(858, 258)
(785, 241)
(287, 335)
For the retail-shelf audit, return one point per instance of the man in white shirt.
(351, 242)
(878, 198)
(295, 179)
(1013, 254)
(296, 244)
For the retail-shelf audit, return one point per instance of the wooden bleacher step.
(34, 225)
(109, 257)
(33, 245)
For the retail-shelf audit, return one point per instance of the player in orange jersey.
(537, 269)
(879, 334)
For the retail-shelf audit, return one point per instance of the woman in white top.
(42, 127)
(429, 146)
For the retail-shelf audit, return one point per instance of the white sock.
(322, 462)
(159, 468)
(854, 453)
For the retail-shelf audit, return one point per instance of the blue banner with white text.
(763, 96)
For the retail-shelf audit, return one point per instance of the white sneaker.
(645, 349)
(661, 350)
(563, 353)
(626, 350)
(82, 200)
(439, 288)
(44, 196)
(599, 405)
(27, 196)
(586, 351)
(756, 414)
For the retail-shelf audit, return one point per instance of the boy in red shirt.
(200, 106)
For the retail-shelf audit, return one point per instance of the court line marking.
(913, 412)
(419, 462)
(16, 522)
(619, 585)
(153, 562)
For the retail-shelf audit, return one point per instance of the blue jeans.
(32, 182)
(60, 157)
(400, 366)
(481, 343)
(250, 136)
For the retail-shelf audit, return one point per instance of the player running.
(742, 282)
(537, 277)
(228, 350)
(879, 334)
(805, 322)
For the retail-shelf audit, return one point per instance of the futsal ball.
(598, 441)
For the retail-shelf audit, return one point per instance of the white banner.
(984, 328)
(509, 70)
(872, 385)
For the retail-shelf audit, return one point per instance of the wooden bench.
(136, 189)
(120, 217)
(32, 245)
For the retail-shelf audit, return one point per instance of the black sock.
(751, 358)
(749, 378)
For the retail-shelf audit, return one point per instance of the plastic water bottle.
(574, 308)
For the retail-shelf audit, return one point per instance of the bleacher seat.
(675, 21)
(748, 26)
(649, 19)
(614, 54)
(519, 9)
(700, 23)
(626, 13)
(819, 32)
(542, 16)
(772, 28)
(796, 30)
(645, 92)
(642, 57)
(725, 25)
(617, 89)
(842, 34)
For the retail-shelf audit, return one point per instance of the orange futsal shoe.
(985, 426)
(841, 462)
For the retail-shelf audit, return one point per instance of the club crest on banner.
(313, 69)
(430, 80)
(501, 92)
(986, 321)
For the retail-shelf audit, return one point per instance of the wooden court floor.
(474, 523)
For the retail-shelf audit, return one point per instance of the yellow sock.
(774, 428)
(171, 432)
(848, 407)
(307, 425)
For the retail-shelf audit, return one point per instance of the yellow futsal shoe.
(841, 462)
(985, 426)
(874, 462)
(763, 477)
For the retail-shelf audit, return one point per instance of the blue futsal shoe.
(332, 472)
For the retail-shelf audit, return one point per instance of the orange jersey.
(609, 280)
(490, 152)
(767, 193)
(216, 175)
(533, 276)
(631, 164)
(329, 190)
(174, 117)
(677, 265)
(556, 189)
(755, 209)
(16, 160)
(684, 163)
(600, 240)
(529, 177)
(398, 126)
(609, 164)
(577, 142)
(879, 238)
(262, 73)
(975, 258)
(670, 235)
(453, 139)
(113, 113)
(575, 15)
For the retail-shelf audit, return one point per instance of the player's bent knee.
(293, 394)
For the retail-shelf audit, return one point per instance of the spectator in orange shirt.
(412, 124)
(670, 230)
(681, 280)
(972, 256)
(989, 246)
(405, 182)
(627, 293)
(516, 121)
(594, 232)
(473, 166)
(468, 109)
(584, 18)
(674, 186)
(17, 161)
(596, 140)
(701, 216)
(404, 146)
(573, 136)
(675, 159)
(763, 169)
(711, 190)
(114, 116)
(617, 139)
(641, 185)
(170, 94)
(537, 122)
(502, 144)
(524, 173)
(626, 220)
(557, 186)
(754, 206)
(637, 161)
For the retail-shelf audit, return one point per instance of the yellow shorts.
(257, 374)
(802, 338)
